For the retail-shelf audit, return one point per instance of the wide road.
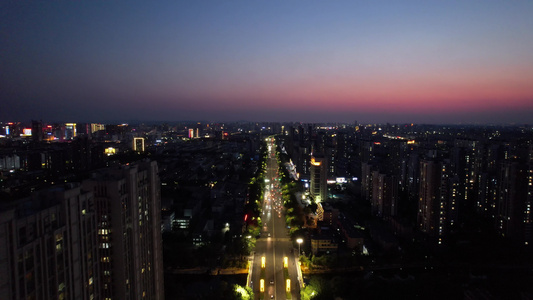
(274, 243)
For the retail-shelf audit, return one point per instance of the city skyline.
(312, 61)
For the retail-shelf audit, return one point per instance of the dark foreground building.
(100, 239)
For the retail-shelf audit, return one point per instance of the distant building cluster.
(205, 181)
(430, 182)
(84, 206)
(39, 131)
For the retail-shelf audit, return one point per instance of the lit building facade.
(318, 185)
(323, 243)
(97, 127)
(138, 144)
(70, 131)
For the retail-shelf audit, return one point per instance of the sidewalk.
(230, 271)
(205, 270)
(308, 271)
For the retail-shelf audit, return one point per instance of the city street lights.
(299, 241)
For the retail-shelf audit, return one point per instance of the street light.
(299, 241)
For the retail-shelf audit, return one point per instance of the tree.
(307, 293)
(244, 293)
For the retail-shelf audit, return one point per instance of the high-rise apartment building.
(97, 240)
(384, 195)
(37, 130)
(434, 205)
(49, 246)
(138, 144)
(513, 207)
(527, 215)
(127, 201)
(319, 170)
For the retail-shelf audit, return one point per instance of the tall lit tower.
(318, 170)
(70, 131)
(138, 144)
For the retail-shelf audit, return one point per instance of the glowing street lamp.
(299, 241)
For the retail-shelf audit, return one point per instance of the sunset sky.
(267, 60)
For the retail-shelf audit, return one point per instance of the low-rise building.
(324, 242)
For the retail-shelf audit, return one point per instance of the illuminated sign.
(341, 180)
(26, 132)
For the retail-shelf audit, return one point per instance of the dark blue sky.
(311, 61)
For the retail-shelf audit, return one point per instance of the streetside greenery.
(294, 214)
(256, 187)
